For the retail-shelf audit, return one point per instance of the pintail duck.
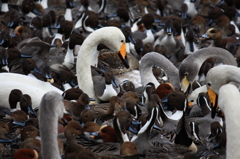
(88, 20)
(68, 13)
(72, 130)
(72, 94)
(218, 40)
(105, 87)
(173, 110)
(191, 9)
(116, 42)
(183, 138)
(31, 9)
(85, 5)
(146, 35)
(77, 107)
(44, 3)
(144, 5)
(188, 70)
(4, 6)
(171, 43)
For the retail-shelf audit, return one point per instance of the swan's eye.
(185, 74)
(209, 84)
(121, 40)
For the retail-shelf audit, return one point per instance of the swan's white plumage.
(112, 37)
(229, 99)
(28, 85)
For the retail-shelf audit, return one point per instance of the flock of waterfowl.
(84, 79)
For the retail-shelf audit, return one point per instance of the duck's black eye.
(209, 84)
(212, 31)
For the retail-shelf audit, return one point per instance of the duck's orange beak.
(123, 55)
(213, 100)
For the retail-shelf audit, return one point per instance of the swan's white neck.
(154, 58)
(229, 98)
(109, 36)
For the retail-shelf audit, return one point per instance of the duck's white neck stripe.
(68, 14)
(4, 7)
(44, 3)
(69, 59)
(57, 36)
(66, 86)
(31, 15)
(124, 136)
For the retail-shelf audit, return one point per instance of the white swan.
(28, 85)
(51, 109)
(113, 38)
(190, 66)
(229, 99)
(218, 81)
(154, 58)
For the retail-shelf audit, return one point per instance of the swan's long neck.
(154, 58)
(85, 56)
(229, 99)
(49, 133)
(225, 56)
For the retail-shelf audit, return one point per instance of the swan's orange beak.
(123, 55)
(213, 100)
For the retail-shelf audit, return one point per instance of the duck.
(115, 43)
(169, 41)
(55, 111)
(128, 149)
(77, 107)
(44, 3)
(85, 5)
(106, 134)
(25, 153)
(218, 40)
(72, 130)
(172, 111)
(188, 70)
(105, 87)
(31, 9)
(68, 13)
(144, 133)
(183, 138)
